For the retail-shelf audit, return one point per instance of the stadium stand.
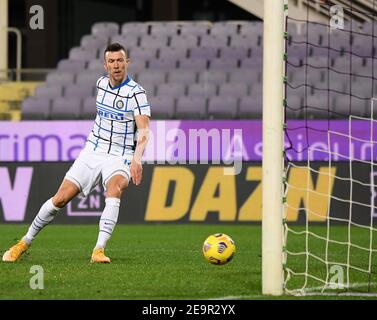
(189, 69)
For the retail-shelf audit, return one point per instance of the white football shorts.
(90, 166)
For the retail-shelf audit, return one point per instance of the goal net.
(330, 143)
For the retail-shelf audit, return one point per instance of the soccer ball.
(219, 248)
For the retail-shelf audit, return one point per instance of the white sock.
(45, 215)
(108, 221)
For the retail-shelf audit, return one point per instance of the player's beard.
(118, 77)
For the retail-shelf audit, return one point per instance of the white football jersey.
(114, 128)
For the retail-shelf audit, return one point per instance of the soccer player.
(113, 152)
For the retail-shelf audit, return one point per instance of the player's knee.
(60, 201)
(115, 190)
(116, 187)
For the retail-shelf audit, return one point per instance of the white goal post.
(273, 147)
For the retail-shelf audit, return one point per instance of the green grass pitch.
(159, 262)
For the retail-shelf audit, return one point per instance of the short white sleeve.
(141, 105)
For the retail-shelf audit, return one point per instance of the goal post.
(273, 147)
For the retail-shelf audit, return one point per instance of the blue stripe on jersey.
(126, 105)
(133, 87)
(146, 105)
(111, 107)
(99, 128)
(112, 131)
(103, 98)
(123, 83)
(99, 107)
(91, 141)
(124, 142)
(106, 105)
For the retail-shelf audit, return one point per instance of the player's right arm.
(142, 123)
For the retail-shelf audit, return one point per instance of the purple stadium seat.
(36, 108)
(143, 53)
(182, 76)
(292, 28)
(213, 76)
(222, 107)
(134, 29)
(362, 87)
(96, 65)
(223, 64)
(152, 76)
(257, 51)
(185, 41)
(174, 90)
(163, 106)
(257, 90)
(253, 62)
(234, 52)
(66, 108)
(252, 28)
(149, 87)
(245, 76)
(162, 64)
(51, 91)
(176, 53)
(316, 33)
(92, 42)
(79, 91)
(159, 29)
(155, 41)
(250, 107)
(237, 89)
(298, 50)
(224, 29)
(317, 106)
(108, 29)
(89, 108)
(364, 70)
(294, 62)
(71, 65)
(60, 78)
(243, 41)
(344, 106)
(203, 53)
(214, 41)
(300, 92)
(137, 66)
(293, 108)
(89, 77)
(365, 41)
(319, 62)
(298, 77)
(195, 30)
(127, 41)
(193, 64)
(368, 27)
(337, 81)
(191, 107)
(82, 54)
(345, 64)
(339, 40)
(204, 90)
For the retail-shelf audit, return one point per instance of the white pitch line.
(334, 294)
(237, 297)
(312, 292)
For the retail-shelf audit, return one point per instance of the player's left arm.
(142, 123)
